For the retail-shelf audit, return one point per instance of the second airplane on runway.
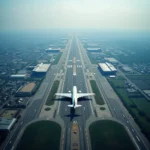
(74, 95)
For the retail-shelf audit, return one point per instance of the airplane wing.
(64, 94)
(84, 94)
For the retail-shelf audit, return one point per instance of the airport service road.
(116, 107)
(32, 111)
(81, 114)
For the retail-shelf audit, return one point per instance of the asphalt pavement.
(81, 114)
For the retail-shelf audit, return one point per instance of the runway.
(82, 113)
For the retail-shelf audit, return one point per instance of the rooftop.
(53, 49)
(41, 67)
(104, 67)
(107, 67)
(28, 87)
(18, 76)
(111, 59)
(94, 49)
(6, 123)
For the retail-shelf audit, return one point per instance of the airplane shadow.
(84, 99)
(72, 114)
(63, 99)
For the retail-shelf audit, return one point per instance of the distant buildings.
(93, 49)
(126, 69)
(19, 76)
(111, 60)
(107, 68)
(53, 50)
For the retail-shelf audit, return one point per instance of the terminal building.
(107, 68)
(53, 50)
(94, 50)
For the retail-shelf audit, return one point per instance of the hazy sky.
(98, 14)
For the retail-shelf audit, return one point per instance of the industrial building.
(94, 50)
(18, 76)
(5, 126)
(107, 68)
(111, 60)
(126, 69)
(53, 50)
(26, 90)
(40, 69)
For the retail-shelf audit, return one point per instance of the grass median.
(107, 134)
(98, 96)
(50, 99)
(41, 135)
(57, 59)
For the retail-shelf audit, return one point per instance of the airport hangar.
(53, 50)
(40, 69)
(5, 126)
(94, 50)
(107, 68)
(26, 90)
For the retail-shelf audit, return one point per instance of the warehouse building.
(53, 50)
(18, 76)
(5, 126)
(126, 69)
(40, 69)
(94, 50)
(26, 90)
(111, 60)
(107, 68)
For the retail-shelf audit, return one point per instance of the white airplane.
(74, 95)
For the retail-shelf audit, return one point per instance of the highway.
(36, 102)
(116, 107)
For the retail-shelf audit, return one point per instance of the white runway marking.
(138, 138)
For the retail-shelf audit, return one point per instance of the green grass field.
(92, 59)
(50, 99)
(98, 96)
(57, 59)
(41, 135)
(107, 135)
(141, 113)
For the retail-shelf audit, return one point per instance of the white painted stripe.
(138, 138)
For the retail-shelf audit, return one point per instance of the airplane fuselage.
(74, 95)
